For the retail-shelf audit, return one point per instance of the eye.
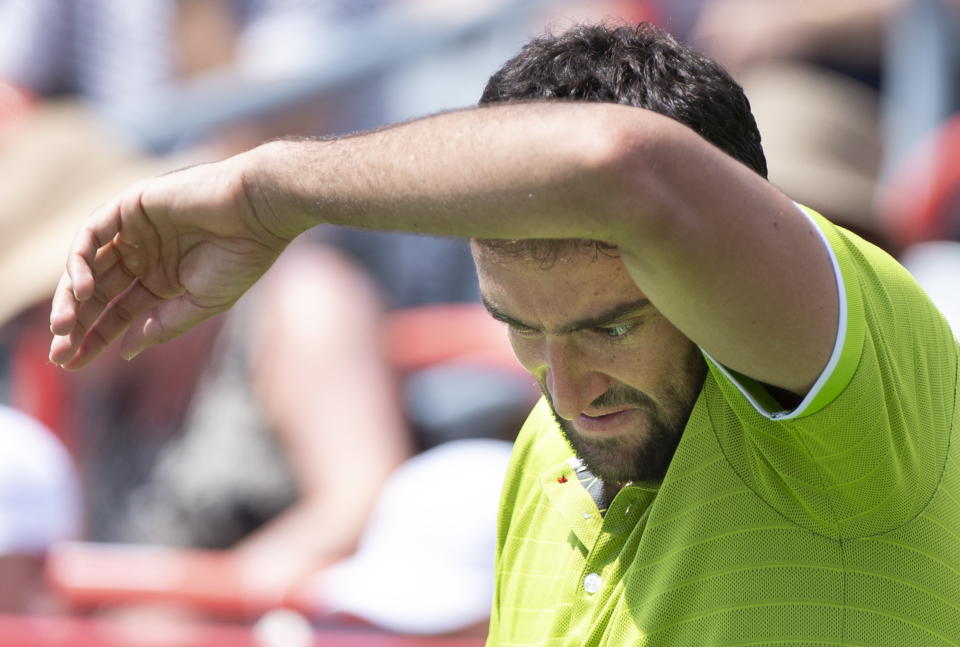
(522, 331)
(616, 332)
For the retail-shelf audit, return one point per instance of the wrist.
(268, 176)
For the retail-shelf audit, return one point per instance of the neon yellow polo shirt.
(835, 524)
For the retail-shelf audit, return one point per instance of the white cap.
(283, 628)
(425, 563)
(39, 494)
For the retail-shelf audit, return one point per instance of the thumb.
(164, 322)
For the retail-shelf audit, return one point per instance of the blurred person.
(77, 77)
(814, 75)
(149, 428)
(80, 80)
(745, 435)
(299, 391)
(294, 427)
(275, 338)
(39, 506)
(745, 33)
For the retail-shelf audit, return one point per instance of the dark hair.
(644, 67)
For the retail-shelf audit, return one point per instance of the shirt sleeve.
(847, 345)
(865, 449)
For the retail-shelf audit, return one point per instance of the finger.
(63, 311)
(108, 286)
(152, 256)
(98, 231)
(169, 319)
(105, 259)
(139, 244)
(119, 315)
(64, 347)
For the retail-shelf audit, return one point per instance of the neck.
(611, 489)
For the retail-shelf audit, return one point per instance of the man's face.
(620, 378)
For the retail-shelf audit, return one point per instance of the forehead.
(577, 285)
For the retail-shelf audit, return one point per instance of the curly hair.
(644, 67)
(640, 66)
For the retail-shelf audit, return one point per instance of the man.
(796, 486)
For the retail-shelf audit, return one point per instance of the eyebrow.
(605, 318)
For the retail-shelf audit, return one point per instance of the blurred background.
(322, 464)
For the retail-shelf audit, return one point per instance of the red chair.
(921, 201)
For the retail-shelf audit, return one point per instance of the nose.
(570, 379)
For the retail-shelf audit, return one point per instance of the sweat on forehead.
(546, 252)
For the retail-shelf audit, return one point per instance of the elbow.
(631, 163)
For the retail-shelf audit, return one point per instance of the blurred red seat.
(921, 199)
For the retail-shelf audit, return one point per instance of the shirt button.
(592, 583)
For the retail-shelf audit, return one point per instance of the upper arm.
(732, 262)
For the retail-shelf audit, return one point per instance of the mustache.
(615, 397)
(620, 396)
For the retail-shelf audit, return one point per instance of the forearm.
(535, 170)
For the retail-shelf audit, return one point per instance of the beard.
(644, 453)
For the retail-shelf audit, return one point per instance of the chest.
(702, 561)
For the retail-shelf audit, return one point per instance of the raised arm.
(727, 258)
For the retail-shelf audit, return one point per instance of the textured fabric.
(194, 495)
(838, 526)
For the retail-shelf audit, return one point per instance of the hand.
(159, 259)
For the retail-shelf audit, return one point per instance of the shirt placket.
(602, 537)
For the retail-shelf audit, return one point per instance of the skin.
(729, 263)
(621, 379)
(727, 259)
